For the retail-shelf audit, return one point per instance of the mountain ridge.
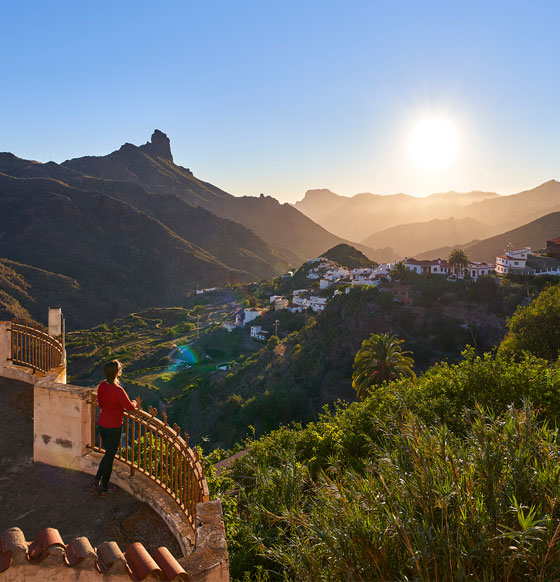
(360, 214)
(534, 234)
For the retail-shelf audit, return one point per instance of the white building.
(426, 267)
(301, 301)
(324, 283)
(317, 303)
(257, 333)
(513, 261)
(229, 325)
(478, 269)
(250, 314)
(294, 308)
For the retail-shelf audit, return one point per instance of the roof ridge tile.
(80, 553)
(46, 541)
(140, 561)
(111, 559)
(169, 565)
(48, 549)
(13, 548)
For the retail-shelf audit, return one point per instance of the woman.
(113, 401)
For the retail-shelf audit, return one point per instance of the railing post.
(5, 344)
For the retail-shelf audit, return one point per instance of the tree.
(458, 259)
(380, 359)
(536, 327)
(400, 271)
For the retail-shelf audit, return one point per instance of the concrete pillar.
(55, 321)
(5, 348)
(61, 422)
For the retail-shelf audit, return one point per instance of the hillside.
(152, 166)
(121, 258)
(534, 235)
(348, 257)
(408, 240)
(312, 366)
(26, 293)
(228, 241)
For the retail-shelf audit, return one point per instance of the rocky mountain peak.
(159, 146)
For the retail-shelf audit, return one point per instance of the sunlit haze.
(284, 97)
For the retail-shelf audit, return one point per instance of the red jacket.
(113, 401)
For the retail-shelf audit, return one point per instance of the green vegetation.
(348, 257)
(451, 476)
(536, 327)
(380, 359)
(440, 475)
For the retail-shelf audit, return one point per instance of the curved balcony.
(155, 462)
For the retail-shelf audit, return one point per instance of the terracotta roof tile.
(140, 562)
(46, 543)
(13, 547)
(49, 549)
(111, 559)
(169, 565)
(80, 553)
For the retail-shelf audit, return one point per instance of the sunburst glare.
(433, 143)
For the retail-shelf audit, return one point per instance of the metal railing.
(32, 347)
(154, 448)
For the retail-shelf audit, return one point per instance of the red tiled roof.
(49, 549)
(555, 241)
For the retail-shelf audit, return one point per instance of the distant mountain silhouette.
(534, 235)
(362, 215)
(411, 239)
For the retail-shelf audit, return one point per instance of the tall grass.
(424, 504)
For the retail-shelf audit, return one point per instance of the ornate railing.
(158, 450)
(32, 347)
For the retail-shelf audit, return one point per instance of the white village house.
(250, 314)
(513, 261)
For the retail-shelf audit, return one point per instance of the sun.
(433, 143)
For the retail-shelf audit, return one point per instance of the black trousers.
(110, 441)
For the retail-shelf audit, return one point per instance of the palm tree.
(400, 271)
(379, 360)
(458, 259)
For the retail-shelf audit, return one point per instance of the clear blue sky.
(280, 97)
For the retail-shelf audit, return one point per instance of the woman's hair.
(112, 370)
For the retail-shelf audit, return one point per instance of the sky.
(282, 97)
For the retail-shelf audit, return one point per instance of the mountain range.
(132, 229)
(109, 235)
(534, 235)
(411, 225)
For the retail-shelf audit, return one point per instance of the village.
(327, 279)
